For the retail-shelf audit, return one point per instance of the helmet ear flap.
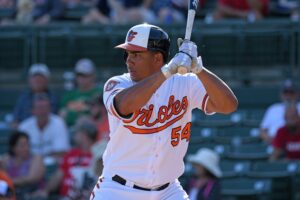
(125, 55)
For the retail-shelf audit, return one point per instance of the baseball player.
(150, 110)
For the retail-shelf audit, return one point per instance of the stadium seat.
(295, 186)
(218, 47)
(274, 169)
(245, 188)
(6, 13)
(222, 150)
(54, 47)
(98, 45)
(9, 98)
(232, 169)
(250, 152)
(216, 120)
(253, 117)
(256, 97)
(237, 135)
(265, 48)
(4, 137)
(201, 134)
(281, 174)
(14, 49)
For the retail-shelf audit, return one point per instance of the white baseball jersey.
(148, 148)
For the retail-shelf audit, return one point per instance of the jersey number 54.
(179, 134)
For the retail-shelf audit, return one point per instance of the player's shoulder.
(117, 80)
(120, 78)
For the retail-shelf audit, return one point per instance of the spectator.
(121, 12)
(77, 162)
(26, 170)
(98, 116)
(79, 3)
(274, 115)
(38, 83)
(75, 103)
(45, 11)
(131, 11)
(250, 10)
(98, 14)
(206, 186)
(24, 11)
(170, 11)
(7, 189)
(290, 7)
(287, 140)
(7, 5)
(48, 132)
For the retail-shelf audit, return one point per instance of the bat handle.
(189, 24)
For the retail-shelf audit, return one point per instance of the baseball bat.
(189, 26)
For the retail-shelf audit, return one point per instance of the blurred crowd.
(94, 11)
(66, 134)
(135, 11)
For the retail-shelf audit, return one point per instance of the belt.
(122, 181)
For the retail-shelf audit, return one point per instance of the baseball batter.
(149, 112)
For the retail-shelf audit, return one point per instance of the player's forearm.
(132, 99)
(221, 97)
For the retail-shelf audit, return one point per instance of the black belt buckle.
(122, 181)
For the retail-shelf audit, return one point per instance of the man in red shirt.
(250, 10)
(76, 163)
(287, 139)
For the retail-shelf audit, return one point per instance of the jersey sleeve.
(111, 88)
(198, 94)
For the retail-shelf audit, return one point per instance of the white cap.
(208, 159)
(85, 66)
(39, 68)
(144, 37)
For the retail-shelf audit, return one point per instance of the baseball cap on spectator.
(289, 85)
(85, 66)
(39, 69)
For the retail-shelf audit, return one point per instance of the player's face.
(140, 64)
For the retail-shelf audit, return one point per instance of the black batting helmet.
(145, 37)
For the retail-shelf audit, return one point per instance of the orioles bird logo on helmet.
(131, 35)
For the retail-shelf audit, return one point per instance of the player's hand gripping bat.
(189, 26)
